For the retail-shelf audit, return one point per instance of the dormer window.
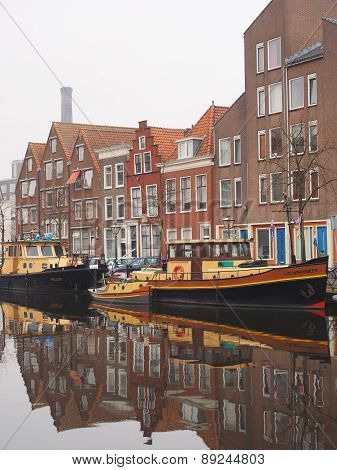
(188, 148)
(142, 142)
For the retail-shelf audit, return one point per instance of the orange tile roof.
(96, 138)
(166, 139)
(68, 132)
(37, 150)
(204, 128)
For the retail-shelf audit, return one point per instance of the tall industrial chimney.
(66, 104)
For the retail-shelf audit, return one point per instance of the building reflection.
(235, 391)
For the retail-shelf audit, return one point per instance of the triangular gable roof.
(166, 139)
(36, 150)
(98, 138)
(204, 129)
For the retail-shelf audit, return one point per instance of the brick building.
(289, 59)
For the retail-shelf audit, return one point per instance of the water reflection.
(236, 388)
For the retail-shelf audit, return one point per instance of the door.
(244, 234)
(322, 241)
(281, 246)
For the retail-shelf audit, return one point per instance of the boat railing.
(211, 275)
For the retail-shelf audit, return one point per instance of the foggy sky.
(126, 61)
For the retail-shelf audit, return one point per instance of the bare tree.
(5, 221)
(61, 214)
(299, 168)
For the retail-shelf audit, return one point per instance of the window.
(108, 177)
(261, 102)
(25, 216)
(314, 184)
(53, 145)
(186, 234)
(185, 149)
(78, 210)
(201, 190)
(266, 374)
(59, 168)
(89, 210)
(205, 232)
(33, 215)
(136, 202)
(48, 168)
(49, 198)
(185, 196)
(275, 142)
(61, 198)
(171, 235)
(264, 243)
(312, 90)
(225, 193)
(171, 196)
(88, 174)
(296, 93)
(24, 189)
(242, 418)
(120, 207)
(237, 150)
(119, 170)
(276, 185)
(263, 189)
(275, 98)
(189, 375)
(224, 152)
(229, 413)
(145, 235)
(156, 239)
(260, 58)
(274, 53)
(313, 144)
(297, 139)
(237, 192)
(80, 153)
(152, 200)
(147, 162)
(138, 163)
(142, 142)
(29, 164)
(108, 208)
(261, 143)
(298, 185)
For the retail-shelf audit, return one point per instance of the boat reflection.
(236, 387)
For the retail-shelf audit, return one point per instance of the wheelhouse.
(230, 249)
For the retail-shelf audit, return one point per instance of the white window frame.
(53, 144)
(140, 144)
(258, 90)
(230, 152)
(166, 195)
(147, 153)
(220, 190)
(259, 46)
(167, 234)
(45, 170)
(269, 100)
(24, 194)
(107, 186)
(259, 133)
(312, 124)
(85, 186)
(196, 192)
(271, 245)
(237, 138)
(264, 177)
(56, 172)
(314, 198)
(271, 187)
(268, 47)
(80, 152)
(121, 196)
(181, 199)
(312, 76)
(29, 164)
(291, 137)
(272, 155)
(202, 227)
(134, 163)
(78, 203)
(182, 232)
(156, 207)
(86, 209)
(116, 175)
(291, 108)
(105, 208)
(131, 201)
(236, 180)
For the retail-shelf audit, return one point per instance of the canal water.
(94, 377)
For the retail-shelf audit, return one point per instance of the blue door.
(244, 234)
(322, 241)
(281, 246)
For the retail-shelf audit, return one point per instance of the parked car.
(128, 265)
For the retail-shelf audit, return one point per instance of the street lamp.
(115, 229)
(229, 222)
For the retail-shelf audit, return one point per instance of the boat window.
(10, 251)
(47, 250)
(15, 251)
(187, 251)
(58, 251)
(172, 251)
(205, 250)
(235, 250)
(32, 250)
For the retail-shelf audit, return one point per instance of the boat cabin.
(33, 256)
(198, 257)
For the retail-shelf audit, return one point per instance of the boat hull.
(300, 286)
(61, 280)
